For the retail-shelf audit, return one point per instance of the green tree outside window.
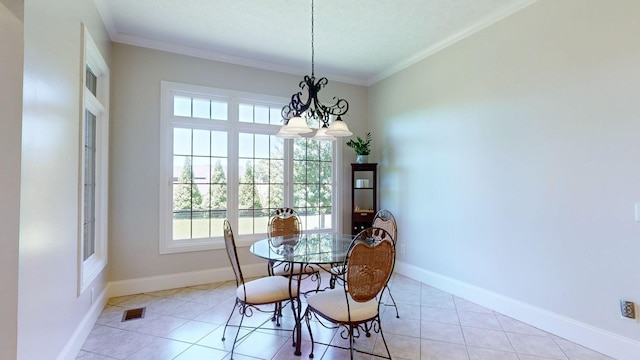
(187, 196)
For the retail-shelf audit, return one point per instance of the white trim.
(597, 339)
(225, 58)
(454, 38)
(173, 281)
(98, 105)
(147, 284)
(80, 335)
(606, 342)
(338, 212)
(108, 19)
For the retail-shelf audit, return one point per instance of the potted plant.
(361, 147)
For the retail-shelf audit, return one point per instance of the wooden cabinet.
(364, 195)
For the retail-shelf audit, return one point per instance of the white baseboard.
(606, 342)
(592, 337)
(73, 346)
(172, 281)
(148, 284)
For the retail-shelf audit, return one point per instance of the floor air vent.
(133, 314)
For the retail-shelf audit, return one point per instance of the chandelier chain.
(312, 44)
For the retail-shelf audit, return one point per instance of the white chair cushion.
(282, 269)
(338, 270)
(268, 289)
(333, 304)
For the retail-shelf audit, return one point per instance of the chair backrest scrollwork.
(384, 219)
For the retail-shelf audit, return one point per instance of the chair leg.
(233, 347)
(351, 341)
(296, 308)
(277, 308)
(394, 303)
(277, 313)
(224, 331)
(307, 317)
(367, 329)
(229, 319)
(384, 341)
(270, 268)
(319, 279)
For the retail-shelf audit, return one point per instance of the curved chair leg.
(307, 318)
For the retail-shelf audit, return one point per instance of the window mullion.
(288, 173)
(233, 164)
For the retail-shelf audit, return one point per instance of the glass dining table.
(320, 249)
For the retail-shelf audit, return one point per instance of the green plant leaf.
(361, 146)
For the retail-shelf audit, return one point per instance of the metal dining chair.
(384, 219)
(355, 305)
(338, 270)
(250, 295)
(284, 222)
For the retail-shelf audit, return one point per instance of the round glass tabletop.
(312, 248)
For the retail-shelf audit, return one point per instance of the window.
(89, 194)
(94, 164)
(199, 198)
(220, 159)
(313, 182)
(260, 180)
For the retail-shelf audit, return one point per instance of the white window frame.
(168, 90)
(98, 105)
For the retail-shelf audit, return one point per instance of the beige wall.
(50, 310)
(511, 160)
(11, 38)
(135, 144)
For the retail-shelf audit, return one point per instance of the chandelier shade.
(321, 134)
(287, 135)
(339, 128)
(296, 125)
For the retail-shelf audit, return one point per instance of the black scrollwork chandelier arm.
(312, 105)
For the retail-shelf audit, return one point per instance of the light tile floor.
(187, 324)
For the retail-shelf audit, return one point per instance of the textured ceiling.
(356, 41)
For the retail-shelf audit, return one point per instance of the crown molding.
(496, 16)
(479, 25)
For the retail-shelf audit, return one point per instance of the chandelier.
(301, 108)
